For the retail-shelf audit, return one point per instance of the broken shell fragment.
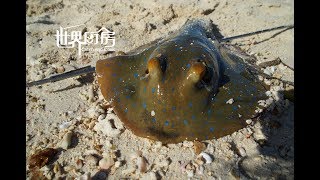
(142, 164)
(206, 157)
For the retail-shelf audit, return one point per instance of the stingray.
(182, 87)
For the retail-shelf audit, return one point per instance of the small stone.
(230, 101)
(242, 151)
(60, 69)
(248, 121)
(27, 137)
(106, 163)
(65, 125)
(158, 144)
(190, 173)
(268, 93)
(90, 94)
(267, 71)
(117, 164)
(66, 140)
(153, 113)
(100, 175)
(198, 147)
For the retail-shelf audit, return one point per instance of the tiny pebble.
(117, 164)
(190, 173)
(65, 125)
(66, 140)
(153, 113)
(106, 163)
(248, 121)
(242, 151)
(60, 69)
(230, 101)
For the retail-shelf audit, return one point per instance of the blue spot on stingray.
(185, 122)
(166, 123)
(153, 90)
(207, 137)
(190, 104)
(193, 117)
(126, 110)
(234, 108)
(164, 110)
(144, 89)
(144, 105)
(127, 96)
(145, 59)
(211, 129)
(153, 119)
(163, 79)
(120, 79)
(173, 108)
(136, 75)
(188, 66)
(114, 74)
(209, 112)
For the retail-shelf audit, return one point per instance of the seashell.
(230, 101)
(142, 164)
(206, 157)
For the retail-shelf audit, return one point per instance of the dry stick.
(77, 72)
(256, 32)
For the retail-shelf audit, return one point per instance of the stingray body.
(176, 89)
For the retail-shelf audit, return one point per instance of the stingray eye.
(157, 65)
(153, 66)
(196, 72)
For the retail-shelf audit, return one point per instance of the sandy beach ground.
(69, 113)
